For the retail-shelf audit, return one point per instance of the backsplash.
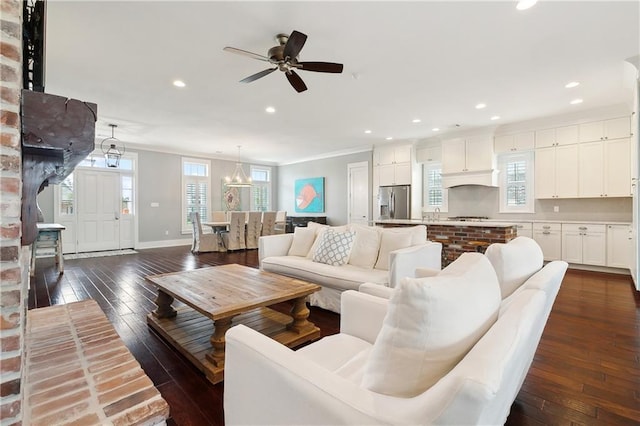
(473, 200)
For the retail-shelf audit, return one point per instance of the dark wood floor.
(586, 370)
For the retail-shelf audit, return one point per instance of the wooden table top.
(227, 290)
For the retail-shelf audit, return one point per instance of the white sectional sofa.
(474, 345)
(381, 256)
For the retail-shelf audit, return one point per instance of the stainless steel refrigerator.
(394, 202)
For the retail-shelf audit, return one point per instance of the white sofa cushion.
(365, 246)
(345, 277)
(303, 239)
(418, 233)
(430, 325)
(334, 247)
(389, 242)
(514, 262)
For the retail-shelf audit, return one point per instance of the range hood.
(480, 177)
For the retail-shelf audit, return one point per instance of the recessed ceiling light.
(416, 120)
(480, 106)
(572, 84)
(388, 138)
(495, 117)
(270, 109)
(179, 83)
(576, 101)
(435, 129)
(525, 4)
(367, 131)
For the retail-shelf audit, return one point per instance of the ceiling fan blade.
(294, 44)
(320, 67)
(246, 53)
(258, 75)
(296, 81)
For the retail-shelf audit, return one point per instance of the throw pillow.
(365, 246)
(303, 239)
(319, 228)
(431, 324)
(334, 248)
(389, 242)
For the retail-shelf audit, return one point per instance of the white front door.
(99, 212)
(358, 186)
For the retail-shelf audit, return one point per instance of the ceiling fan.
(284, 57)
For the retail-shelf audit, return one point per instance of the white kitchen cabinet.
(614, 128)
(513, 143)
(393, 174)
(467, 155)
(584, 243)
(556, 172)
(605, 168)
(391, 154)
(565, 135)
(524, 229)
(549, 238)
(429, 154)
(619, 247)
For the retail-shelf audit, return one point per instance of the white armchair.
(322, 383)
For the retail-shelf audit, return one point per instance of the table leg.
(32, 267)
(220, 327)
(164, 309)
(59, 255)
(300, 313)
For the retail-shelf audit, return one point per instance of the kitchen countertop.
(498, 223)
(479, 224)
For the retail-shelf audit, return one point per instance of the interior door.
(98, 210)
(358, 204)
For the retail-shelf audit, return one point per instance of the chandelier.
(238, 179)
(112, 153)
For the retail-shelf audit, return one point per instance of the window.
(261, 189)
(516, 183)
(126, 189)
(196, 190)
(435, 196)
(67, 196)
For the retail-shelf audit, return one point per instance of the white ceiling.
(402, 60)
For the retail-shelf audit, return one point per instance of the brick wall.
(13, 257)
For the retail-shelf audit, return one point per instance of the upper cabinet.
(467, 155)
(391, 154)
(615, 128)
(392, 165)
(564, 135)
(605, 168)
(429, 154)
(513, 143)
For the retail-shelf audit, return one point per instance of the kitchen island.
(459, 236)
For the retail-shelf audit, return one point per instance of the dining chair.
(281, 222)
(254, 226)
(234, 238)
(203, 242)
(268, 223)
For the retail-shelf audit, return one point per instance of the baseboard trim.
(162, 243)
(593, 268)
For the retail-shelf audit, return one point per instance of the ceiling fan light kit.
(284, 57)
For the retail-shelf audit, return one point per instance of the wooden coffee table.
(221, 296)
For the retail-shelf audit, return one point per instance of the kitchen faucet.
(437, 214)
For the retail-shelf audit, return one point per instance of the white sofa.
(381, 256)
(329, 381)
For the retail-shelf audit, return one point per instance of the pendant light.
(239, 179)
(113, 153)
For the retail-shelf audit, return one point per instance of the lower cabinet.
(584, 243)
(549, 237)
(524, 229)
(619, 246)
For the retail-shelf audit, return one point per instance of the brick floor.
(79, 372)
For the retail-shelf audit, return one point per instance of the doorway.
(358, 192)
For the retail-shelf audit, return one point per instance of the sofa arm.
(361, 314)
(376, 290)
(426, 272)
(268, 383)
(403, 262)
(274, 245)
